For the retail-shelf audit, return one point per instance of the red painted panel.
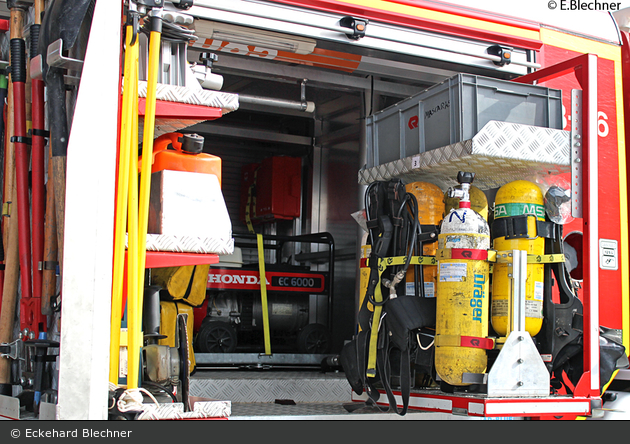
(609, 195)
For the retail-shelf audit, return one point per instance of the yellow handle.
(147, 146)
(121, 207)
(134, 328)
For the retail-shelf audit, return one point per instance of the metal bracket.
(13, 350)
(519, 369)
(357, 26)
(36, 67)
(475, 378)
(150, 3)
(55, 57)
(597, 408)
(183, 4)
(504, 52)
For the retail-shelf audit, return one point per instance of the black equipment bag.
(405, 316)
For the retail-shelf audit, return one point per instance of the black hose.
(160, 387)
(170, 31)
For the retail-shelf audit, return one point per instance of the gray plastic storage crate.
(454, 111)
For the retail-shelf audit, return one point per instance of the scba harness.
(387, 344)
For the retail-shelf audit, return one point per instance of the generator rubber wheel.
(216, 337)
(314, 339)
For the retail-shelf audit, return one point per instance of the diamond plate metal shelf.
(499, 153)
(179, 107)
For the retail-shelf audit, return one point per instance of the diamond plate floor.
(267, 386)
(321, 411)
(291, 395)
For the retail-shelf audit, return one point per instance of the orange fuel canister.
(183, 152)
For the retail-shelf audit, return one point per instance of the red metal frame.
(558, 407)
(585, 67)
(178, 110)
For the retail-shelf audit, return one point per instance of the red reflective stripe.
(474, 342)
(467, 253)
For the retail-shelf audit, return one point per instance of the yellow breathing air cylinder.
(518, 198)
(430, 212)
(478, 201)
(462, 303)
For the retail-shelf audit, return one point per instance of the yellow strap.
(376, 318)
(251, 206)
(448, 340)
(501, 256)
(545, 258)
(251, 203)
(402, 260)
(263, 294)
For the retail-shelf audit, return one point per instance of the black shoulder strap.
(384, 365)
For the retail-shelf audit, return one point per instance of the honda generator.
(299, 299)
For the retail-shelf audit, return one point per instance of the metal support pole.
(90, 198)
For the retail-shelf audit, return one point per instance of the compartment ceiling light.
(252, 36)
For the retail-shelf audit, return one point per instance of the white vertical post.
(519, 289)
(592, 216)
(89, 224)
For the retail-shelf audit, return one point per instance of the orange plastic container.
(182, 152)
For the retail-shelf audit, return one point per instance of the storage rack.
(578, 151)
